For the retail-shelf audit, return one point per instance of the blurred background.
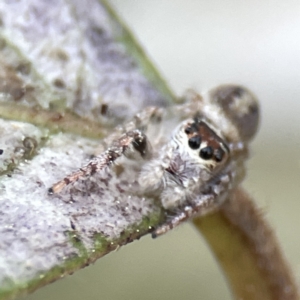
(199, 44)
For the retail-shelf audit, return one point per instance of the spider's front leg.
(130, 144)
(127, 140)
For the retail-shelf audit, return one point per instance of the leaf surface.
(69, 74)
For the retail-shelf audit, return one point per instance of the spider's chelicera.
(189, 156)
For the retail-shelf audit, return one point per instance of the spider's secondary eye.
(191, 128)
(188, 130)
(195, 142)
(207, 152)
(219, 154)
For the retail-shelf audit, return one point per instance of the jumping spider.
(190, 156)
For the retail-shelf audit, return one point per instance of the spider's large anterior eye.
(195, 142)
(219, 154)
(206, 153)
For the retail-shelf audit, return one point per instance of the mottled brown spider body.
(189, 156)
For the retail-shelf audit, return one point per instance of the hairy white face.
(194, 156)
(205, 148)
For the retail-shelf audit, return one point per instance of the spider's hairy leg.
(129, 144)
(149, 115)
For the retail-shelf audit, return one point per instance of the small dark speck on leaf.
(39, 183)
(72, 225)
(104, 108)
(28, 88)
(2, 43)
(24, 68)
(76, 239)
(57, 116)
(30, 144)
(61, 55)
(59, 83)
(1, 151)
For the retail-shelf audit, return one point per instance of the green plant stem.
(248, 251)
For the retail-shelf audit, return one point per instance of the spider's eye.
(195, 142)
(188, 130)
(206, 153)
(219, 154)
(191, 128)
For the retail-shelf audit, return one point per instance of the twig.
(248, 251)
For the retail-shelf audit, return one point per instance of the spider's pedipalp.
(200, 202)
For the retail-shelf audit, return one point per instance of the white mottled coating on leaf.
(61, 55)
(77, 56)
(33, 225)
(12, 141)
(104, 202)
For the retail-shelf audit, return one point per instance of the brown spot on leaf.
(10, 83)
(59, 83)
(57, 117)
(60, 54)
(2, 43)
(23, 68)
(30, 145)
(104, 109)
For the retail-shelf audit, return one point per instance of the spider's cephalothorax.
(190, 169)
(206, 155)
(185, 164)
